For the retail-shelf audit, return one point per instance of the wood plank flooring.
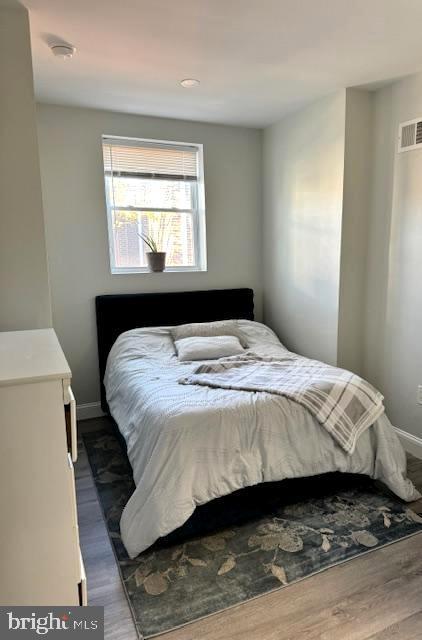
(375, 597)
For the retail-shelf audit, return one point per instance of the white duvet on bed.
(188, 445)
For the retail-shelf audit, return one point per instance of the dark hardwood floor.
(375, 597)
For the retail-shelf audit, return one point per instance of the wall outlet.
(419, 394)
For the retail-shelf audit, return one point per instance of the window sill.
(145, 270)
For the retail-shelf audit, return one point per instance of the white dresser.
(40, 559)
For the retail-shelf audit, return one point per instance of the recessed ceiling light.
(188, 83)
(63, 50)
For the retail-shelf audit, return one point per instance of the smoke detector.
(63, 51)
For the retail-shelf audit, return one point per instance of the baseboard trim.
(89, 410)
(412, 444)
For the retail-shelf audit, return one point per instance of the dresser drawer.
(83, 593)
(72, 491)
(70, 417)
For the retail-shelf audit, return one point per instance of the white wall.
(76, 226)
(383, 158)
(343, 250)
(394, 294)
(354, 230)
(24, 286)
(303, 161)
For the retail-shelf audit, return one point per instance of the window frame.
(197, 211)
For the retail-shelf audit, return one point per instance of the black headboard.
(119, 313)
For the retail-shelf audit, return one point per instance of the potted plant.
(156, 259)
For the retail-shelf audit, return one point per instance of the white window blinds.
(149, 160)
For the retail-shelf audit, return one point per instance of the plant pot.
(156, 260)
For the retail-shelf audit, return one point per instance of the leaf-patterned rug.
(278, 534)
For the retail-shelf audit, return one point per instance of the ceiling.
(256, 59)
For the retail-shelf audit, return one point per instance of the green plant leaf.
(149, 241)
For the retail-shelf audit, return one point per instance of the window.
(154, 188)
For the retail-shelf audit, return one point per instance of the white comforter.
(188, 445)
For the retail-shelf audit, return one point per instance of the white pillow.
(207, 347)
(218, 328)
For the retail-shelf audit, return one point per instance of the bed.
(190, 445)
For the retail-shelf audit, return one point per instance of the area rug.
(286, 532)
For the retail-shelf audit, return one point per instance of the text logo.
(33, 622)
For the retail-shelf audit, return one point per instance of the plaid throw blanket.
(344, 404)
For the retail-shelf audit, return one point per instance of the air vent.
(410, 135)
